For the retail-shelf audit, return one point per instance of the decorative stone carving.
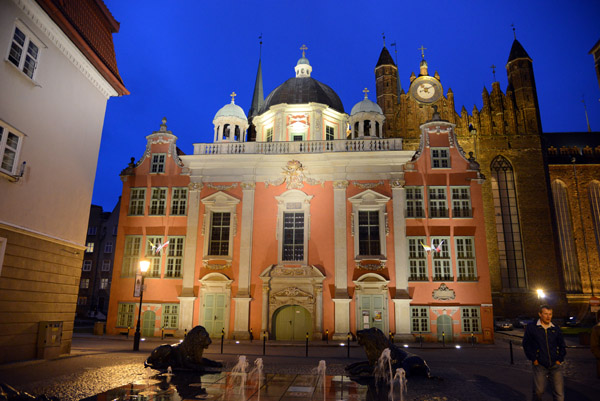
(367, 185)
(295, 175)
(195, 186)
(398, 183)
(443, 293)
(217, 266)
(342, 184)
(222, 187)
(371, 265)
(248, 185)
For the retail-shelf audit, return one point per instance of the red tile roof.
(90, 25)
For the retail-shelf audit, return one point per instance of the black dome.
(303, 90)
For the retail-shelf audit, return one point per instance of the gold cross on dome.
(233, 95)
(365, 91)
(303, 48)
(422, 51)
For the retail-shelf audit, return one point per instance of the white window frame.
(465, 258)
(419, 316)
(131, 255)
(108, 247)
(370, 200)
(470, 316)
(415, 203)
(170, 316)
(29, 38)
(103, 283)
(293, 201)
(179, 197)
(417, 259)
(125, 314)
(174, 263)
(5, 130)
(87, 266)
(137, 201)
(433, 199)
(158, 202)
(106, 265)
(440, 158)
(332, 129)
(155, 258)
(269, 134)
(219, 202)
(158, 163)
(461, 202)
(441, 261)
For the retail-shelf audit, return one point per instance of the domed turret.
(303, 68)
(366, 119)
(230, 123)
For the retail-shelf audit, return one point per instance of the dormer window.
(158, 163)
(440, 158)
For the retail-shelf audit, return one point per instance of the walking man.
(544, 346)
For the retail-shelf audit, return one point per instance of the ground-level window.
(170, 316)
(470, 319)
(125, 314)
(419, 319)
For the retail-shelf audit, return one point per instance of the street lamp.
(144, 265)
(540, 293)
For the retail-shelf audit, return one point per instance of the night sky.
(181, 59)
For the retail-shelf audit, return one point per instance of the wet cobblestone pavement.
(99, 364)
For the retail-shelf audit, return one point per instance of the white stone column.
(318, 333)
(265, 309)
(242, 299)
(361, 128)
(187, 297)
(341, 300)
(402, 298)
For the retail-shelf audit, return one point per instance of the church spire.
(258, 97)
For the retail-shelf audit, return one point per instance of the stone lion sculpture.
(374, 342)
(185, 355)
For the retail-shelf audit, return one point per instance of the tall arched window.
(510, 246)
(594, 195)
(568, 251)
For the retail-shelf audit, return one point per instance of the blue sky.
(181, 59)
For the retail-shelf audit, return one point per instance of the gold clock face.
(426, 89)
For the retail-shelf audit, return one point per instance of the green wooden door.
(148, 323)
(214, 314)
(371, 312)
(444, 325)
(292, 322)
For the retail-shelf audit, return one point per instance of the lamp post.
(144, 265)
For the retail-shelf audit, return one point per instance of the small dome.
(303, 60)
(366, 106)
(231, 110)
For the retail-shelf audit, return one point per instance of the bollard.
(512, 361)
(472, 339)
(391, 338)
(349, 337)
(184, 333)
(128, 328)
(307, 343)
(251, 336)
(327, 336)
(162, 333)
(443, 339)
(222, 337)
(264, 341)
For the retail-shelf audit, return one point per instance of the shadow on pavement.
(497, 391)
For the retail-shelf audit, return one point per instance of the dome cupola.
(366, 119)
(303, 68)
(230, 123)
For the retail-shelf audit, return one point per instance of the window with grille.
(103, 283)
(510, 247)
(170, 316)
(438, 206)
(329, 133)
(84, 283)
(269, 135)
(87, 265)
(417, 259)
(471, 322)
(368, 233)
(440, 158)
(131, 255)
(174, 257)
(219, 233)
(419, 319)
(125, 314)
(10, 148)
(89, 248)
(158, 201)
(442, 266)
(136, 201)
(465, 258)
(158, 163)
(293, 236)
(108, 247)
(24, 52)
(105, 265)
(179, 201)
(461, 202)
(414, 202)
(154, 255)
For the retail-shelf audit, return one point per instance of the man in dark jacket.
(544, 346)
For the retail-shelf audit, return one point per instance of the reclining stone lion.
(374, 342)
(185, 355)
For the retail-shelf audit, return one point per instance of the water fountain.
(383, 369)
(401, 377)
(239, 371)
(321, 373)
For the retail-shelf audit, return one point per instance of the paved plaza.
(98, 364)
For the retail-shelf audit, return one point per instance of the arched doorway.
(215, 293)
(292, 322)
(444, 325)
(148, 323)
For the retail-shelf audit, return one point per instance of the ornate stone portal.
(301, 286)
